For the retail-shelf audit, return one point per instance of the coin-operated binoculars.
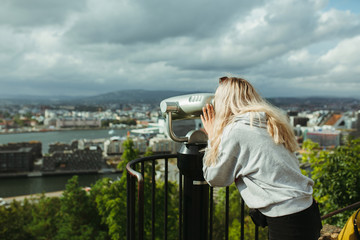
(196, 189)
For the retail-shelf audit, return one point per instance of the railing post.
(196, 192)
(130, 208)
(128, 203)
(227, 198)
(243, 219)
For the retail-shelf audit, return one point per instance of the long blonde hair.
(236, 96)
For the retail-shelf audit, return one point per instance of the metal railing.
(349, 207)
(135, 205)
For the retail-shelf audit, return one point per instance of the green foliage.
(130, 153)
(234, 216)
(101, 213)
(173, 210)
(98, 215)
(110, 199)
(337, 177)
(18, 121)
(13, 221)
(28, 115)
(148, 152)
(79, 218)
(129, 122)
(45, 218)
(5, 114)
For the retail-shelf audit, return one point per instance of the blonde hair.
(236, 96)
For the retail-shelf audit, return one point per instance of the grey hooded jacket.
(266, 174)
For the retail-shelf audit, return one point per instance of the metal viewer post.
(196, 189)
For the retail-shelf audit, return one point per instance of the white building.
(161, 143)
(114, 146)
(77, 122)
(324, 136)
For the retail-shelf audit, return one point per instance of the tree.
(79, 218)
(45, 218)
(130, 153)
(148, 152)
(111, 199)
(13, 220)
(110, 196)
(19, 122)
(336, 175)
(234, 216)
(173, 209)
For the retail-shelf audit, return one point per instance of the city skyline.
(86, 48)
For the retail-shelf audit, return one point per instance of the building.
(89, 159)
(60, 147)
(71, 122)
(18, 160)
(296, 120)
(162, 144)
(19, 157)
(90, 143)
(114, 146)
(335, 120)
(325, 137)
(141, 144)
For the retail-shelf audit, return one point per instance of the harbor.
(16, 184)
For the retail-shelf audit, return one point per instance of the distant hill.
(313, 103)
(34, 100)
(311, 100)
(131, 96)
(156, 96)
(123, 96)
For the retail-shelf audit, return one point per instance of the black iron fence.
(138, 215)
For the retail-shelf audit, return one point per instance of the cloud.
(271, 31)
(129, 22)
(90, 47)
(33, 13)
(334, 73)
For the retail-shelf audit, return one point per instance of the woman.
(252, 144)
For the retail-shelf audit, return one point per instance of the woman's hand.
(207, 119)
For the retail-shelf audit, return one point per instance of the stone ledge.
(329, 232)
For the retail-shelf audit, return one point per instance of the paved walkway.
(22, 197)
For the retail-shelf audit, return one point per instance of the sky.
(285, 48)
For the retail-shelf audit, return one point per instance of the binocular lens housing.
(186, 106)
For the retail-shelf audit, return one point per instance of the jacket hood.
(256, 119)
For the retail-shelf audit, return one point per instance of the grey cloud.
(151, 21)
(30, 13)
(184, 45)
(284, 29)
(335, 23)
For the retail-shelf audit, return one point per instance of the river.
(64, 136)
(24, 186)
(11, 187)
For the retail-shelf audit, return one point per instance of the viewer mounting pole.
(196, 190)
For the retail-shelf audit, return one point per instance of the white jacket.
(267, 174)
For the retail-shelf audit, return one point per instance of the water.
(10, 187)
(65, 136)
(25, 186)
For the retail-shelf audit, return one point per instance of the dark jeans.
(304, 225)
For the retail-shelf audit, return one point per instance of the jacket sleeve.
(223, 173)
